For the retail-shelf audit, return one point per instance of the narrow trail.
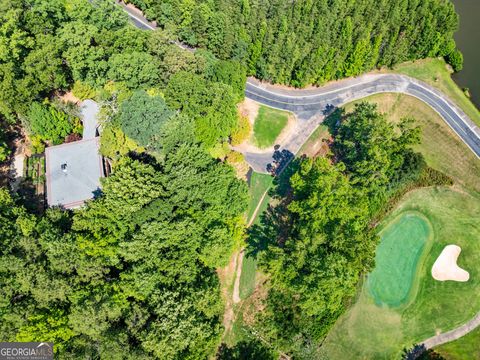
(236, 285)
(311, 102)
(453, 334)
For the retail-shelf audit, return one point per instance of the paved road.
(309, 106)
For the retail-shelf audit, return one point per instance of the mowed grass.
(442, 148)
(403, 243)
(465, 348)
(259, 183)
(436, 73)
(268, 126)
(369, 331)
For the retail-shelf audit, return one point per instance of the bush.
(455, 59)
(241, 132)
(234, 157)
(37, 146)
(83, 91)
(219, 150)
(49, 123)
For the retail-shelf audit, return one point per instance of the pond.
(468, 41)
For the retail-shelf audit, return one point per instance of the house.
(73, 170)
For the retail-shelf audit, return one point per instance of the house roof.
(73, 172)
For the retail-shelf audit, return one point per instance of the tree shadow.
(333, 119)
(274, 226)
(244, 350)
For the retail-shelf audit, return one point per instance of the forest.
(311, 42)
(133, 273)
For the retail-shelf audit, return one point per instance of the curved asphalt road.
(309, 106)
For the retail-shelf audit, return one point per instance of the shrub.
(37, 146)
(83, 91)
(235, 157)
(219, 150)
(241, 132)
(49, 123)
(455, 59)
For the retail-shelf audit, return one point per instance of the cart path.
(309, 104)
(453, 334)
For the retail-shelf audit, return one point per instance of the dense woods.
(133, 273)
(311, 42)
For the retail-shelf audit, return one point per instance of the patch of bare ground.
(289, 129)
(256, 302)
(69, 97)
(226, 276)
(249, 109)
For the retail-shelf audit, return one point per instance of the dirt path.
(225, 275)
(236, 285)
(453, 334)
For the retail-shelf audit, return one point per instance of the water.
(468, 41)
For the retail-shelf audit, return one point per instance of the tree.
(142, 117)
(49, 123)
(136, 69)
(455, 58)
(373, 149)
(211, 105)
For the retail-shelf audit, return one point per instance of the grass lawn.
(465, 348)
(436, 73)
(369, 331)
(268, 125)
(259, 183)
(404, 242)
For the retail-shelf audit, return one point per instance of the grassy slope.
(259, 183)
(436, 73)
(268, 125)
(368, 331)
(465, 348)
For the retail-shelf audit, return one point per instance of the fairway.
(268, 126)
(403, 242)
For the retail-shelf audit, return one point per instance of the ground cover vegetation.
(269, 123)
(131, 275)
(319, 239)
(305, 42)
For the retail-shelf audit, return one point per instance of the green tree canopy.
(142, 117)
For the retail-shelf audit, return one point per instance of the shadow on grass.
(274, 225)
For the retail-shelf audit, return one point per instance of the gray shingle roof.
(73, 172)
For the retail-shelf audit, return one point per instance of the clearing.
(268, 126)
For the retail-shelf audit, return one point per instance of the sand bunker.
(446, 268)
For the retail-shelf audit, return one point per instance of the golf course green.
(403, 243)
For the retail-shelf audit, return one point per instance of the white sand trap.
(446, 268)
